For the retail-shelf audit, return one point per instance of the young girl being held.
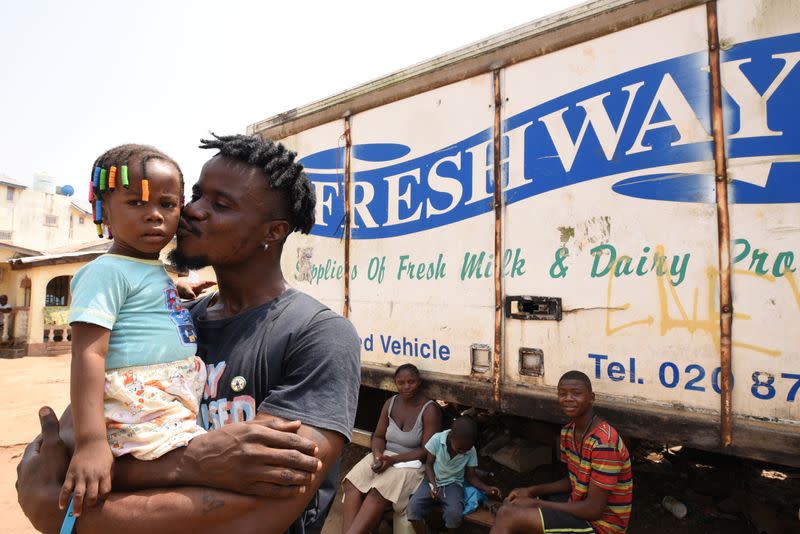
(135, 379)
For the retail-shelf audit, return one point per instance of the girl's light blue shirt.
(137, 301)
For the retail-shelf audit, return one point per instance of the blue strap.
(68, 526)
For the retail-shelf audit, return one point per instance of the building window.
(50, 220)
(57, 292)
(10, 194)
(80, 220)
(5, 235)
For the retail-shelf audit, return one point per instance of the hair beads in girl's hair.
(145, 190)
(99, 230)
(112, 178)
(123, 176)
(103, 179)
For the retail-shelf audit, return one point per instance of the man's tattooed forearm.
(211, 503)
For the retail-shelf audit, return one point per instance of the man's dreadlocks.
(278, 165)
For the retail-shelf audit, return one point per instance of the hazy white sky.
(78, 77)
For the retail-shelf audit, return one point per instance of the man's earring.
(266, 246)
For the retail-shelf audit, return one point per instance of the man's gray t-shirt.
(293, 358)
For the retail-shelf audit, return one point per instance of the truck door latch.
(532, 308)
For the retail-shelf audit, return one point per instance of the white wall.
(26, 218)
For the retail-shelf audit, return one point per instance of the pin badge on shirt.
(238, 383)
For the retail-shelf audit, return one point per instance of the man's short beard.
(184, 263)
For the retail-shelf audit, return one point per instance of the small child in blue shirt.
(136, 382)
(451, 459)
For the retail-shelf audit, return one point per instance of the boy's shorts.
(556, 521)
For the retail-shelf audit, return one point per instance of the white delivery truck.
(613, 189)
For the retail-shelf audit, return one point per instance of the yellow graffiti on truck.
(706, 320)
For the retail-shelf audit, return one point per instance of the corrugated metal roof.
(51, 259)
(81, 208)
(101, 245)
(20, 250)
(8, 182)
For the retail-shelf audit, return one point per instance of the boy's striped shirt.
(606, 464)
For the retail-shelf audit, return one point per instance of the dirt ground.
(723, 495)
(25, 385)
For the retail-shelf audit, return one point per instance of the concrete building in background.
(42, 217)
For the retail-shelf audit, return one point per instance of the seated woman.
(407, 422)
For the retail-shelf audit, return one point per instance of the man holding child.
(283, 375)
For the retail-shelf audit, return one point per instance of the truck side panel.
(315, 263)
(761, 81)
(617, 215)
(412, 299)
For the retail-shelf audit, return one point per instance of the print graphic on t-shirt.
(216, 412)
(180, 316)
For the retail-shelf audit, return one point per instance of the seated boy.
(600, 482)
(451, 456)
